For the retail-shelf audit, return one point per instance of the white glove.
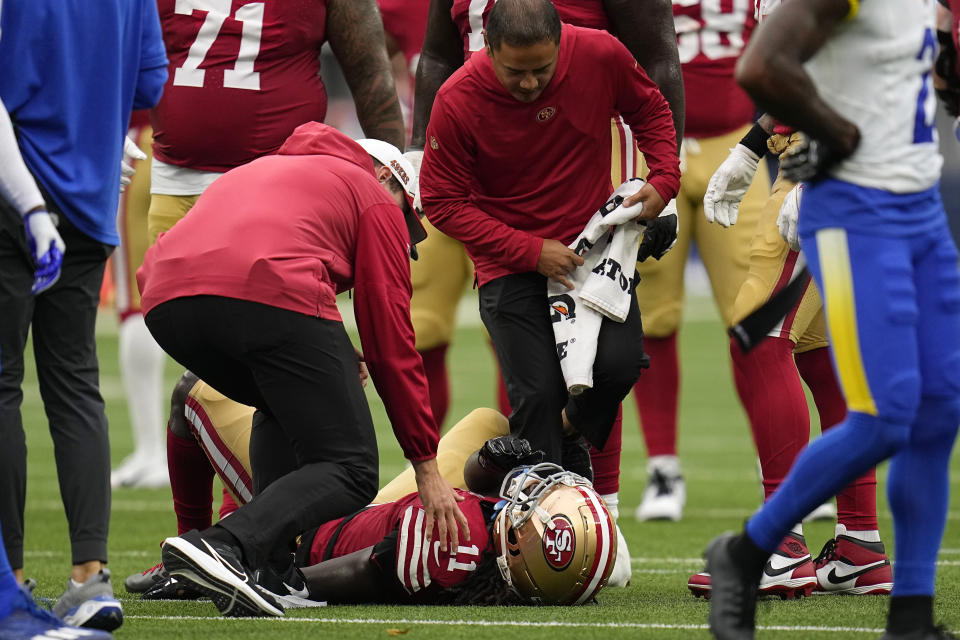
(415, 156)
(728, 185)
(787, 218)
(133, 152)
(47, 248)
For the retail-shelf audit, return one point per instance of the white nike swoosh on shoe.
(780, 563)
(242, 575)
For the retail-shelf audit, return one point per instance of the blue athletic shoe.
(90, 604)
(27, 621)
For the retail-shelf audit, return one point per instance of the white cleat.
(666, 492)
(826, 511)
(141, 472)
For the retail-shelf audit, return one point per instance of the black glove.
(807, 161)
(946, 68)
(659, 237)
(506, 452)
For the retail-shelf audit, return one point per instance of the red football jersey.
(406, 22)
(711, 35)
(416, 563)
(242, 76)
(470, 17)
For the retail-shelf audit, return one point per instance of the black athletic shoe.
(173, 589)
(935, 633)
(575, 455)
(733, 601)
(146, 580)
(215, 569)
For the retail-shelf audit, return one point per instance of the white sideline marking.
(517, 623)
(121, 554)
(635, 560)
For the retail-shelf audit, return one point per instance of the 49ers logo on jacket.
(559, 543)
(546, 113)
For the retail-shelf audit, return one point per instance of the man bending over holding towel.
(516, 163)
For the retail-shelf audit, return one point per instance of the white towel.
(609, 241)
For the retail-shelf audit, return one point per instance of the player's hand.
(47, 248)
(507, 452)
(660, 234)
(362, 367)
(788, 216)
(651, 200)
(728, 185)
(415, 156)
(440, 502)
(557, 260)
(812, 158)
(130, 152)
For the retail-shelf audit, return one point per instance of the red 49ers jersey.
(470, 17)
(242, 76)
(416, 564)
(711, 35)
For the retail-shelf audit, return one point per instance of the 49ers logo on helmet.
(559, 543)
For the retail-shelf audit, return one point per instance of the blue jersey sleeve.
(153, 60)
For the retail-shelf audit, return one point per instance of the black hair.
(521, 23)
(484, 586)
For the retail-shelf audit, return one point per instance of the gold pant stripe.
(841, 311)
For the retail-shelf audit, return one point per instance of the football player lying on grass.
(555, 524)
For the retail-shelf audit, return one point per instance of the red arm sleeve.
(645, 109)
(382, 307)
(446, 179)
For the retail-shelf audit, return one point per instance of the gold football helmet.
(556, 541)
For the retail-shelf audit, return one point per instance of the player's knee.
(878, 437)
(178, 400)
(937, 420)
(898, 399)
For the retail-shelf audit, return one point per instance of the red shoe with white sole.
(788, 574)
(851, 566)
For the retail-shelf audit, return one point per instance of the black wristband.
(756, 140)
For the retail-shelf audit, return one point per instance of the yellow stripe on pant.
(840, 306)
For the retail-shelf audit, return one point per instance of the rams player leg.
(877, 243)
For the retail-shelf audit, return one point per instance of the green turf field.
(722, 487)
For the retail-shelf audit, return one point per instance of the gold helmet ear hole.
(512, 537)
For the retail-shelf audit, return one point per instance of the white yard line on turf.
(518, 623)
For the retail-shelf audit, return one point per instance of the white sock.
(868, 535)
(141, 366)
(612, 500)
(668, 465)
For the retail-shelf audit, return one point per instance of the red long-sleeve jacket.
(501, 175)
(293, 230)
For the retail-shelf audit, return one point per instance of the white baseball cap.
(401, 168)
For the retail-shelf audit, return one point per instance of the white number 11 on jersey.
(242, 76)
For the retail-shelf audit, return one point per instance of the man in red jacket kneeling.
(242, 292)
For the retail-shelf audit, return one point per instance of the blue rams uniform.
(876, 239)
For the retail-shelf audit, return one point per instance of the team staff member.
(863, 220)
(517, 162)
(454, 33)
(257, 291)
(70, 84)
(244, 75)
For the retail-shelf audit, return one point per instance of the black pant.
(63, 319)
(312, 448)
(515, 312)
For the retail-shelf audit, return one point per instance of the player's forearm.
(349, 579)
(432, 72)
(356, 37)
(646, 29)
(16, 182)
(771, 71)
